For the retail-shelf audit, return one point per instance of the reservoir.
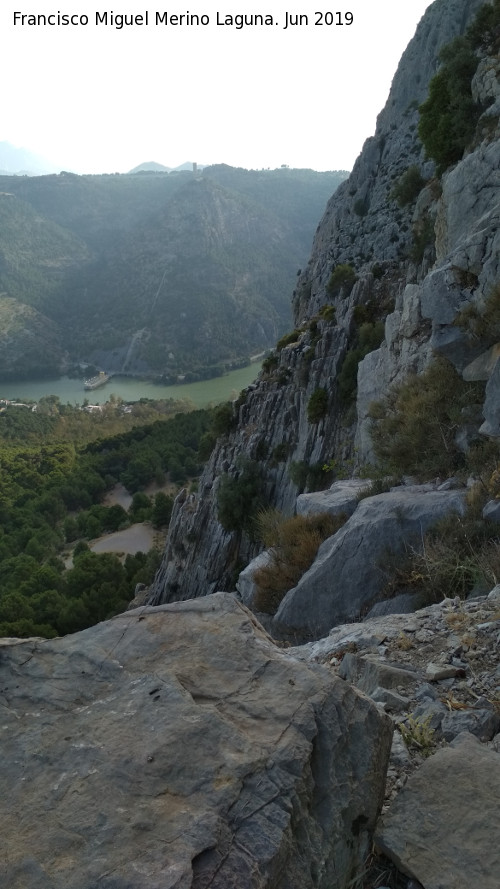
(202, 393)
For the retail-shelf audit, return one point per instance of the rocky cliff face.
(409, 268)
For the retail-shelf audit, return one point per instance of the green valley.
(56, 465)
(160, 274)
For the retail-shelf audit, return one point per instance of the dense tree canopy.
(51, 495)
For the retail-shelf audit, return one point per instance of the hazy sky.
(95, 98)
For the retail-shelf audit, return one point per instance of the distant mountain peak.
(150, 167)
(154, 167)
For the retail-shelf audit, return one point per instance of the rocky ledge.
(437, 673)
(179, 747)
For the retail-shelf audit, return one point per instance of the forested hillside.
(152, 273)
(56, 464)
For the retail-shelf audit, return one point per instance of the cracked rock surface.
(180, 747)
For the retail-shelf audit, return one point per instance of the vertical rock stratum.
(380, 295)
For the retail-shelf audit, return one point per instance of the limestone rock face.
(491, 425)
(179, 747)
(340, 498)
(347, 575)
(436, 830)
(365, 228)
(245, 585)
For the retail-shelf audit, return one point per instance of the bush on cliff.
(449, 116)
(458, 554)
(482, 323)
(415, 425)
(408, 186)
(239, 497)
(342, 280)
(293, 544)
(367, 339)
(317, 405)
(484, 32)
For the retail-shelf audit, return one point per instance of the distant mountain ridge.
(154, 273)
(22, 162)
(154, 167)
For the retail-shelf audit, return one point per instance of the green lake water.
(71, 391)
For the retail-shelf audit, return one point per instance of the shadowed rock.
(441, 828)
(348, 573)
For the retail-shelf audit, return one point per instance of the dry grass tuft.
(293, 543)
(418, 735)
(404, 643)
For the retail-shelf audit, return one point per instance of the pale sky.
(93, 98)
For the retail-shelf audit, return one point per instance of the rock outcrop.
(180, 747)
(435, 829)
(348, 574)
(437, 673)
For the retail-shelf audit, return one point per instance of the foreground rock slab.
(441, 828)
(348, 574)
(179, 747)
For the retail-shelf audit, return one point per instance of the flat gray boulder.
(442, 829)
(341, 497)
(347, 576)
(179, 748)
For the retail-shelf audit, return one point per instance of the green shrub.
(307, 475)
(408, 186)
(455, 556)
(317, 406)
(270, 363)
(342, 280)
(484, 32)
(224, 419)
(423, 237)
(327, 313)
(280, 452)
(483, 325)
(262, 449)
(162, 510)
(368, 338)
(298, 473)
(294, 543)
(316, 480)
(348, 376)
(418, 735)
(288, 339)
(239, 497)
(414, 426)
(366, 312)
(206, 445)
(140, 508)
(449, 116)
